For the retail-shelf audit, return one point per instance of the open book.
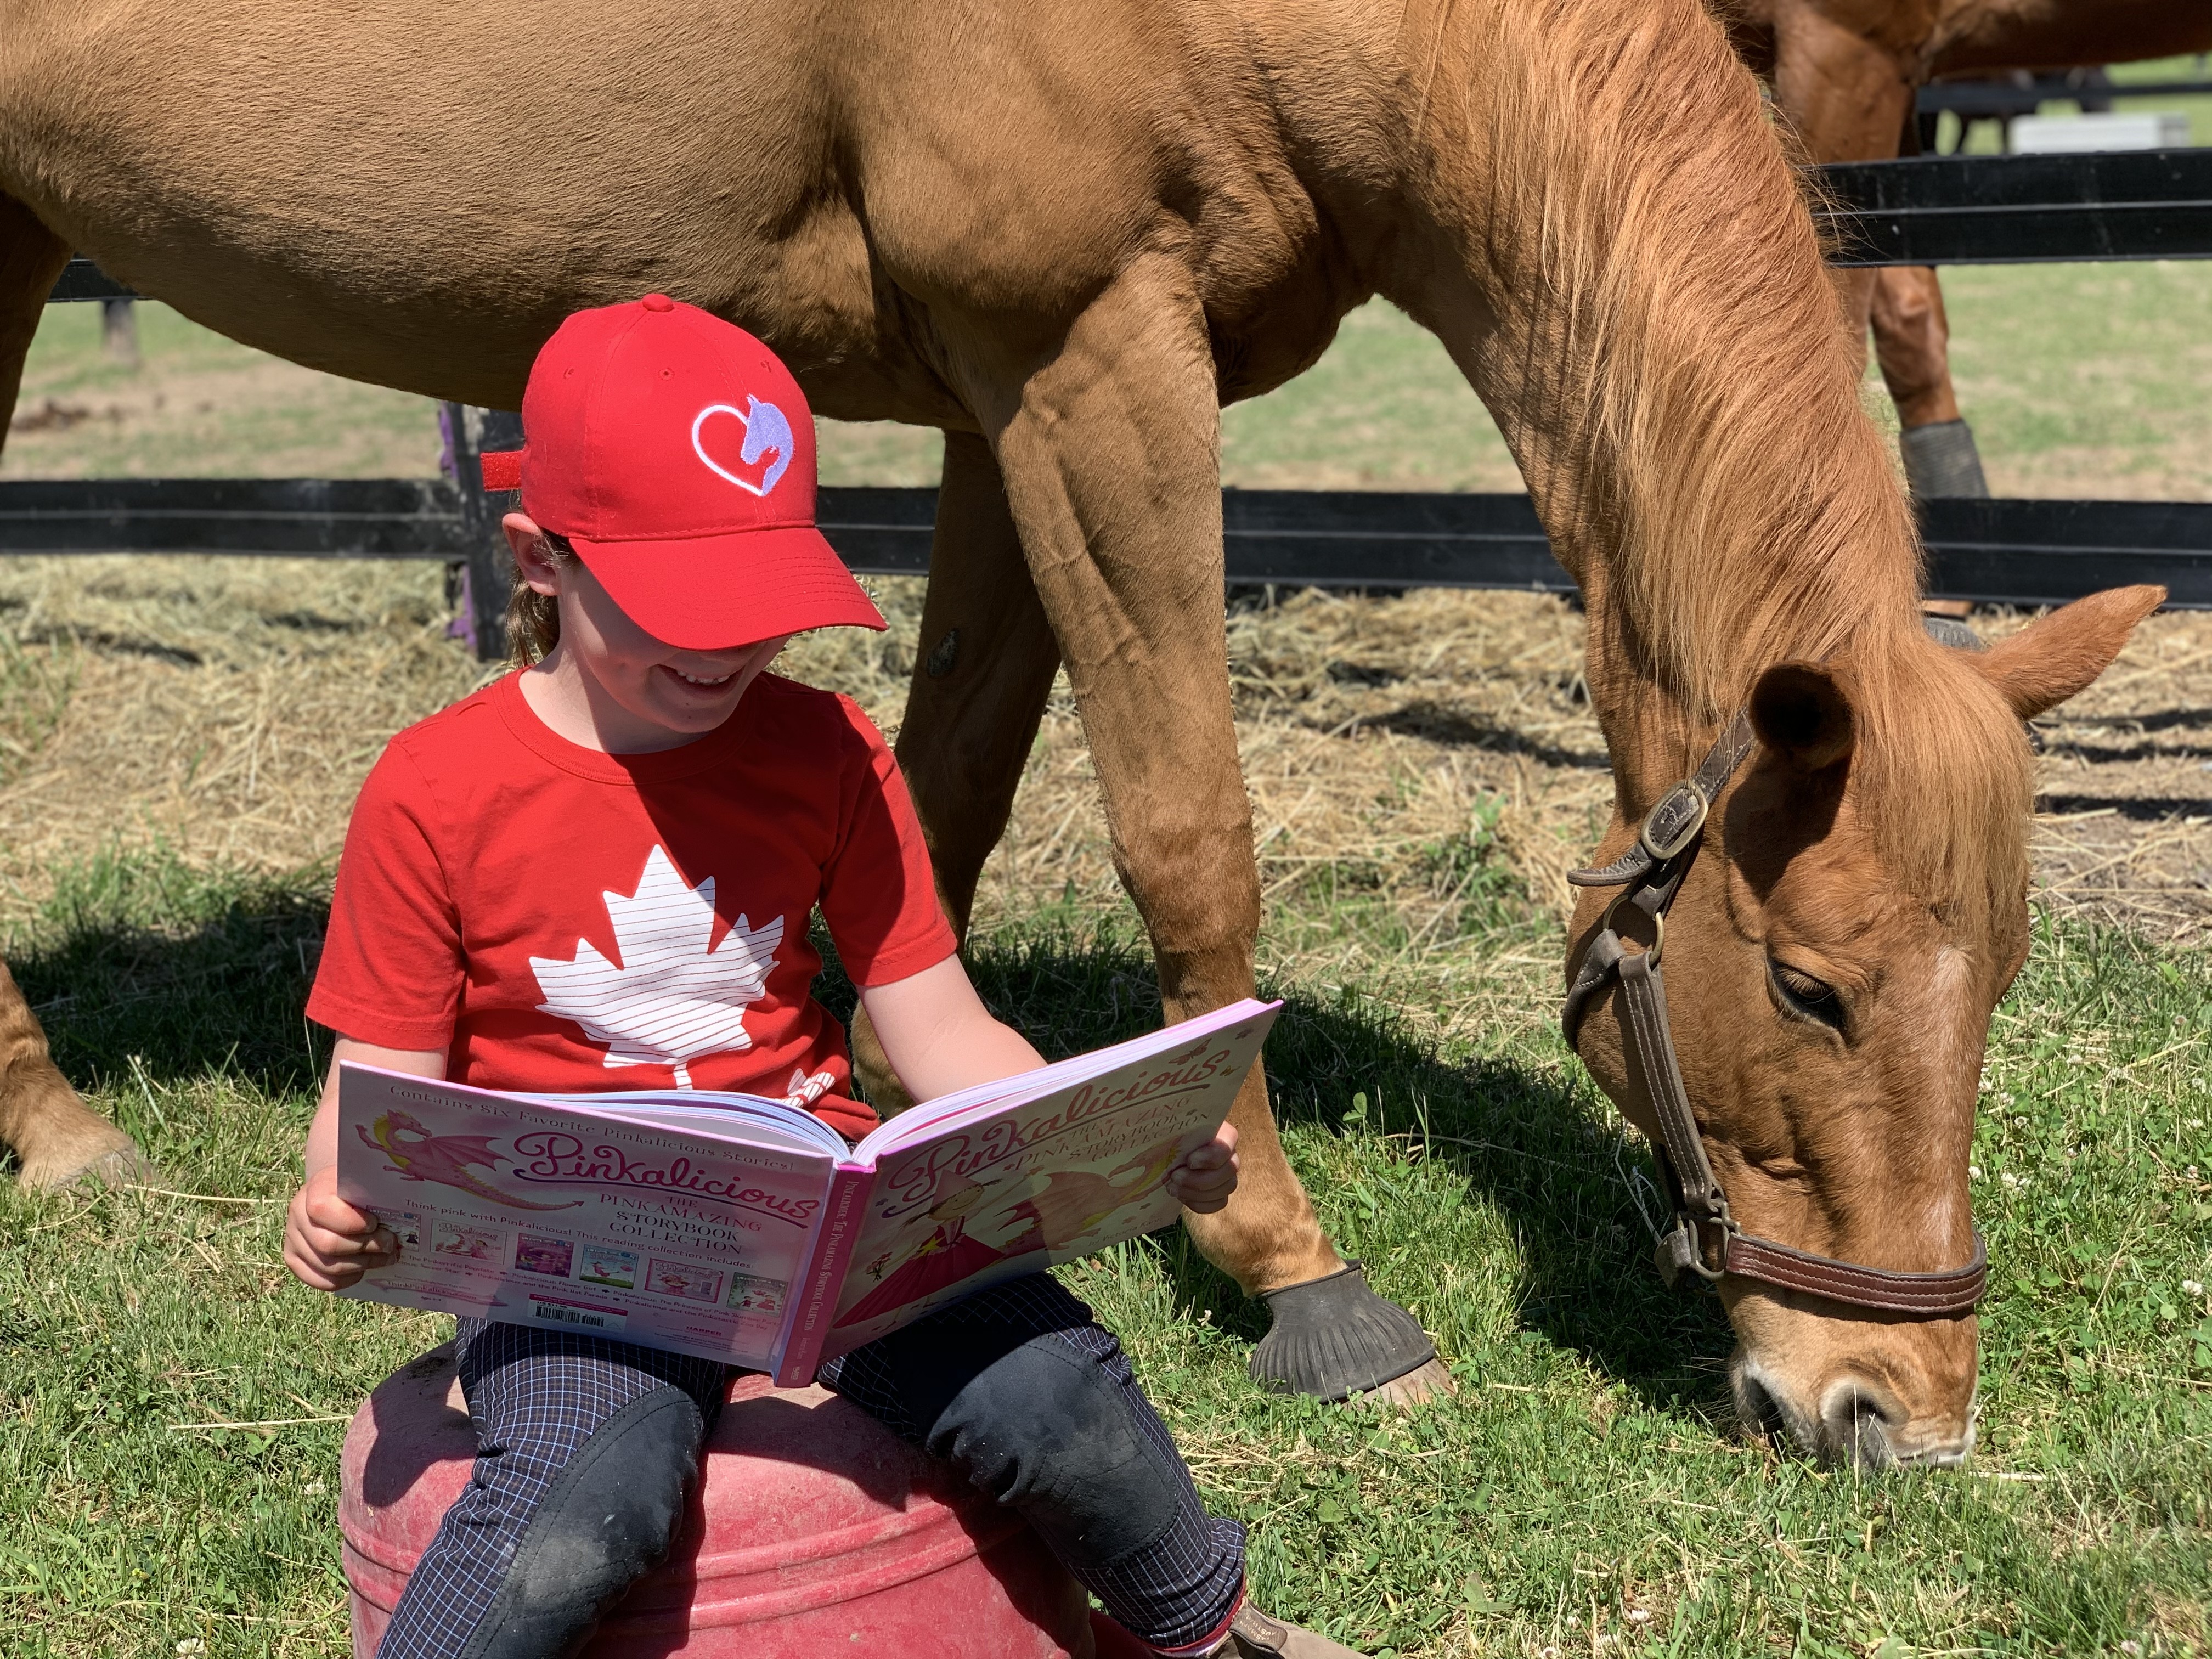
(743, 1229)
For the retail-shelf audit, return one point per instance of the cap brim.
(711, 593)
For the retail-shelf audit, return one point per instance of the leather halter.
(1706, 1239)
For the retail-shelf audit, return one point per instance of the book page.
(573, 1217)
(1010, 1188)
(753, 1116)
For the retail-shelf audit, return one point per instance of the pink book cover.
(744, 1230)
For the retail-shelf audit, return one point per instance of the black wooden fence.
(1941, 210)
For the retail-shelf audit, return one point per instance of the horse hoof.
(112, 1159)
(1332, 1338)
(1417, 1387)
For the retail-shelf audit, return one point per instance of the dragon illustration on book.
(415, 1154)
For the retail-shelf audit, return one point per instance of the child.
(642, 786)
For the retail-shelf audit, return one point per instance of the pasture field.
(180, 739)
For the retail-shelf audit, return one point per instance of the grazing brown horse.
(1845, 72)
(1067, 233)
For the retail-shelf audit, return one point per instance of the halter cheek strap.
(1706, 1239)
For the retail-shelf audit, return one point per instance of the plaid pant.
(1017, 1386)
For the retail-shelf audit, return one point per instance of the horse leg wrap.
(1949, 630)
(1940, 460)
(1332, 1337)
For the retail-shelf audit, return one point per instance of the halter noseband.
(1706, 1239)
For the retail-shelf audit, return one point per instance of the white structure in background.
(2044, 134)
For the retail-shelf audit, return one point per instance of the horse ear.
(1802, 714)
(2049, 660)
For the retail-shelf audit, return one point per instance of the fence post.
(484, 579)
(119, 330)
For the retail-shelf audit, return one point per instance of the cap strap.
(503, 468)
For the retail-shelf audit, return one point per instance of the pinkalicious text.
(554, 1158)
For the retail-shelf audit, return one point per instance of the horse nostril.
(1859, 1422)
(1757, 1406)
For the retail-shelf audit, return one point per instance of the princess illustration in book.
(415, 1154)
(948, 1254)
(1077, 1203)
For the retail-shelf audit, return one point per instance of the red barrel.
(814, 1531)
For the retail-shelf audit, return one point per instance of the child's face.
(657, 686)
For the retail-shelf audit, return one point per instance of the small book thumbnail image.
(603, 1264)
(459, 1241)
(551, 1256)
(761, 1295)
(693, 1284)
(406, 1226)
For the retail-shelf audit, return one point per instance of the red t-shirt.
(558, 919)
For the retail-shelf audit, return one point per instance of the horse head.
(1855, 907)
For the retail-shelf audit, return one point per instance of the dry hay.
(2123, 826)
(227, 709)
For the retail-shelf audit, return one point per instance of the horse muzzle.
(1853, 1418)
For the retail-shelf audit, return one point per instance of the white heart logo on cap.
(766, 433)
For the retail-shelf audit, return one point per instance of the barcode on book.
(597, 1318)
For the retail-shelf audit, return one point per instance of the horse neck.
(1620, 261)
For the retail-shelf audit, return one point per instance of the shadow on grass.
(1528, 1139)
(184, 973)
(181, 972)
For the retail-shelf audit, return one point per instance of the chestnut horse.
(1844, 71)
(1067, 232)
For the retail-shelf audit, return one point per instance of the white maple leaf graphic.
(670, 1000)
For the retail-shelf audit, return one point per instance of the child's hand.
(328, 1244)
(1204, 1180)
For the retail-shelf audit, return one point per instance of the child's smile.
(611, 686)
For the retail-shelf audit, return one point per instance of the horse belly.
(415, 197)
(1990, 34)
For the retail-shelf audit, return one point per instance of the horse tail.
(31, 257)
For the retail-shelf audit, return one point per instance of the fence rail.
(2016, 210)
(2012, 552)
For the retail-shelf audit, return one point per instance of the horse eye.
(1812, 998)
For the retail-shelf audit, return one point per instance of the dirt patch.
(2176, 470)
(252, 417)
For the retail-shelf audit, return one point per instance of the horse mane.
(1688, 412)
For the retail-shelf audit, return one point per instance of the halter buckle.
(1673, 823)
(1679, 1250)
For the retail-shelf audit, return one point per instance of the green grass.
(1585, 1473)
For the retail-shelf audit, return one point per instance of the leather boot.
(1255, 1635)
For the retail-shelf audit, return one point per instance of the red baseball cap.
(677, 455)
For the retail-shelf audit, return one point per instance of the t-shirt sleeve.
(878, 893)
(391, 967)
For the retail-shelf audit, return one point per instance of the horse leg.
(1911, 342)
(31, 258)
(1111, 463)
(1848, 97)
(982, 669)
(57, 1140)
